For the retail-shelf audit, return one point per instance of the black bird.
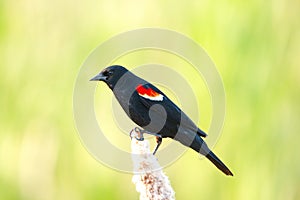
(152, 110)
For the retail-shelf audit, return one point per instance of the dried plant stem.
(151, 182)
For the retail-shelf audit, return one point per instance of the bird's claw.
(139, 132)
(140, 137)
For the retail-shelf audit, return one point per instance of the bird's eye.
(106, 73)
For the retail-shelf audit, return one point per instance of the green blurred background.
(255, 45)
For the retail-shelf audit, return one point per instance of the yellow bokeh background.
(255, 46)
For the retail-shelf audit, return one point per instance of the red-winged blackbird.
(152, 110)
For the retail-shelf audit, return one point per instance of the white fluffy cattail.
(149, 179)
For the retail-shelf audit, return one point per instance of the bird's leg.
(158, 141)
(140, 137)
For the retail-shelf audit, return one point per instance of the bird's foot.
(140, 136)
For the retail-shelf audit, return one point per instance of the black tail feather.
(218, 163)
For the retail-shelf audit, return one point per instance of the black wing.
(150, 95)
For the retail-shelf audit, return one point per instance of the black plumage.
(152, 110)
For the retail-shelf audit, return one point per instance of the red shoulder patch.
(146, 91)
(149, 93)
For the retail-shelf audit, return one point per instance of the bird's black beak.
(99, 77)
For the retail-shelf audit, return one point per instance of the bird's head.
(110, 75)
